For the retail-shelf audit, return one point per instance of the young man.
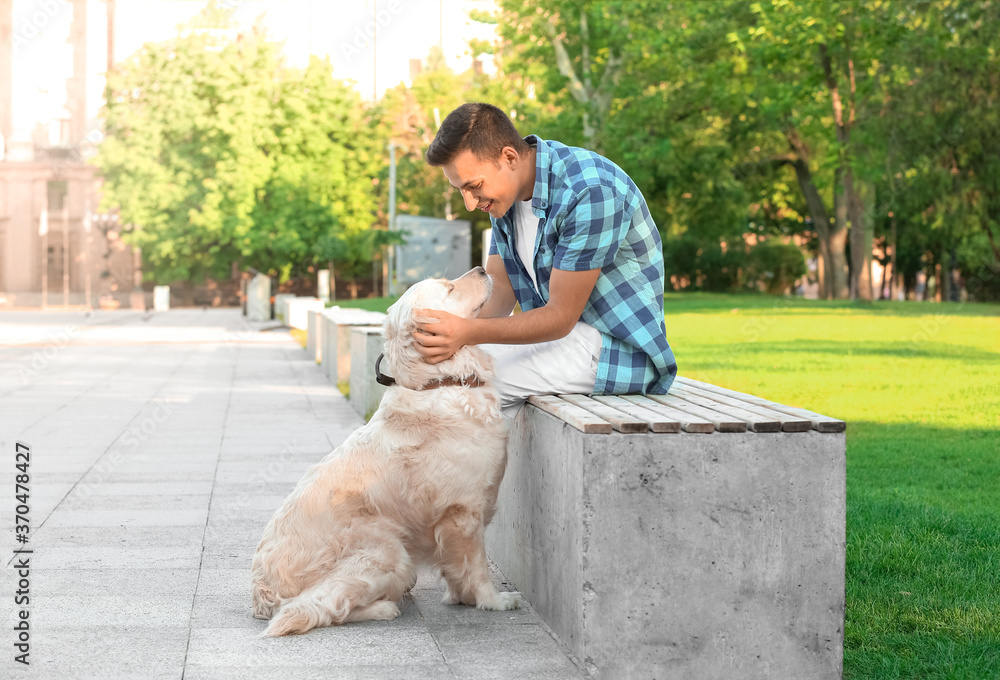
(574, 244)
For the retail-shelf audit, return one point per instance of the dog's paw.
(502, 602)
(450, 597)
(381, 610)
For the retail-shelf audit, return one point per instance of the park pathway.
(160, 445)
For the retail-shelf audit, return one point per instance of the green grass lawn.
(919, 386)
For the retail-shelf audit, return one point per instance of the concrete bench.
(695, 535)
(280, 309)
(335, 335)
(366, 393)
(297, 309)
(314, 335)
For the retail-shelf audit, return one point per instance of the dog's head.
(464, 297)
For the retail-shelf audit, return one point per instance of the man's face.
(486, 185)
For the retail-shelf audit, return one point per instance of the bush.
(697, 265)
(775, 266)
(702, 265)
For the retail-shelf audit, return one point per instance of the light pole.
(390, 275)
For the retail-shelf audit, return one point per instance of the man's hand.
(443, 334)
(438, 339)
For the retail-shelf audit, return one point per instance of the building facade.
(56, 247)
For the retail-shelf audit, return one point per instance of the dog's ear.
(423, 318)
(397, 319)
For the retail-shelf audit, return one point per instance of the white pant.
(564, 366)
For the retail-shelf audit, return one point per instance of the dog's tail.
(329, 602)
(265, 600)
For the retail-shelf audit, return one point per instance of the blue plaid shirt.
(592, 216)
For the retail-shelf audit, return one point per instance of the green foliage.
(709, 96)
(694, 264)
(775, 265)
(217, 153)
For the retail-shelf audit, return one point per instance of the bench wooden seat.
(691, 406)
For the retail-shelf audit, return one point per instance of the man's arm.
(568, 295)
(502, 299)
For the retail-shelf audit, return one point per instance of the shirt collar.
(540, 194)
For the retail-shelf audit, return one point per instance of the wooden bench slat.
(621, 421)
(755, 422)
(687, 422)
(655, 421)
(581, 419)
(722, 422)
(819, 422)
(789, 423)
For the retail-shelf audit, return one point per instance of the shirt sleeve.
(591, 232)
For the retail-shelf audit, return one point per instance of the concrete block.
(297, 309)
(337, 346)
(280, 313)
(366, 343)
(161, 298)
(329, 345)
(323, 284)
(679, 555)
(314, 335)
(259, 298)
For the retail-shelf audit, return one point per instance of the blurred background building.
(56, 246)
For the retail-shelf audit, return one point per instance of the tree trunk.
(892, 279)
(842, 175)
(593, 99)
(333, 281)
(838, 241)
(861, 251)
(817, 211)
(945, 269)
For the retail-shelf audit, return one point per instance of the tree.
(184, 153)
(217, 153)
(316, 205)
(942, 116)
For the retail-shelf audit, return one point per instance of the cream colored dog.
(416, 485)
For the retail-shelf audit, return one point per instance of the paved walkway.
(161, 443)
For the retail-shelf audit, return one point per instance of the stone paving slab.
(161, 445)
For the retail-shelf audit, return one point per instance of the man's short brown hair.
(480, 128)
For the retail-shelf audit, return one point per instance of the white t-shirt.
(526, 230)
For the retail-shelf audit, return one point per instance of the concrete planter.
(298, 308)
(366, 344)
(280, 310)
(337, 339)
(314, 335)
(679, 555)
(259, 298)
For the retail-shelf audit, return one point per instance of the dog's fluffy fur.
(416, 485)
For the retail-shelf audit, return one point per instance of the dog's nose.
(479, 270)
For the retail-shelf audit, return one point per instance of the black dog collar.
(380, 377)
